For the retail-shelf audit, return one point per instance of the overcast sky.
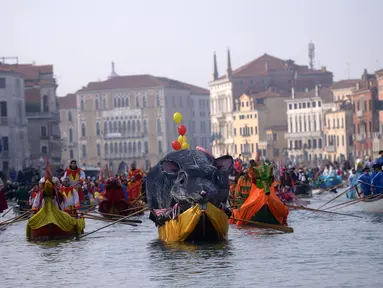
(177, 38)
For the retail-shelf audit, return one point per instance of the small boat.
(373, 205)
(303, 190)
(50, 223)
(202, 222)
(260, 207)
(326, 182)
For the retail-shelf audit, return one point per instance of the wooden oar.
(351, 202)
(13, 220)
(107, 220)
(119, 220)
(130, 209)
(323, 211)
(332, 188)
(344, 192)
(7, 211)
(282, 228)
(112, 216)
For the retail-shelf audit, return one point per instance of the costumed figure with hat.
(72, 202)
(76, 177)
(50, 222)
(135, 177)
(365, 181)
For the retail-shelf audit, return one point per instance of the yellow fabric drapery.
(180, 228)
(50, 214)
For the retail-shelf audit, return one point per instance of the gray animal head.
(188, 177)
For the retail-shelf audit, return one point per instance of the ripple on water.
(324, 251)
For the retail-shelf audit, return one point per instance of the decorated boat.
(262, 204)
(186, 192)
(326, 182)
(117, 202)
(50, 222)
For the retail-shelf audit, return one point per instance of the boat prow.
(198, 223)
(50, 223)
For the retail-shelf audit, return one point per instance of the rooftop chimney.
(292, 93)
(316, 91)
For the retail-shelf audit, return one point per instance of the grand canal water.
(324, 251)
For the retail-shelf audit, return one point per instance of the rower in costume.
(76, 176)
(72, 202)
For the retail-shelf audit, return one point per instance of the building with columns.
(130, 118)
(305, 137)
(259, 74)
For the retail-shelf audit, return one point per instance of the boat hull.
(122, 208)
(196, 224)
(304, 190)
(372, 205)
(51, 232)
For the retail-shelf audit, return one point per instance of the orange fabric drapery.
(256, 200)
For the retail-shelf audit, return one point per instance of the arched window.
(146, 148)
(145, 126)
(105, 127)
(98, 149)
(129, 147)
(97, 103)
(105, 105)
(125, 148)
(123, 102)
(111, 148)
(70, 116)
(106, 148)
(115, 102)
(158, 126)
(133, 126)
(138, 126)
(129, 127)
(70, 136)
(83, 130)
(119, 102)
(127, 102)
(304, 124)
(119, 127)
(120, 147)
(98, 129)
(300, 124)
(114, 126)
(115, 148)
(144, 101)
(137, 102)
(134, 148)
(71, 154)
(45, 103)
(82, 106)
(158, 102)
(139, 148)
(124, 127)
(291, 125)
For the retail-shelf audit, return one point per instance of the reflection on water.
(324, 251)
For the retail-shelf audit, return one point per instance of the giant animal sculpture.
(185, 178)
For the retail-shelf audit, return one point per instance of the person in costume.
(72, 202)
(76, 176)
(33, 193)
(380, 159)
(135, 180)
(49, 187)
(243, 187)
(364, 180)
(3, 201)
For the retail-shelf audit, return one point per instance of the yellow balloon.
(177, 117)
(180, 139)
(185, 145)
(184, 139)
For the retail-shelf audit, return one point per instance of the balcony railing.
(361, 137)
(299, 135)
(330, 149)
(118, 135)
(42, 115)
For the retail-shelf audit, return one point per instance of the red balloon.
(176, 145)
(182, 130)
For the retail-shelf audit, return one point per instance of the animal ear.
(224, 163)
(170, 167)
